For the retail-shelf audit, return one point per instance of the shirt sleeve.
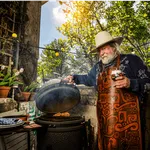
(141, 73)
(87, 79)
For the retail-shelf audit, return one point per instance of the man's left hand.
(122, 82)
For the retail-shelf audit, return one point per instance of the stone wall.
(87, 108)
(87, 105)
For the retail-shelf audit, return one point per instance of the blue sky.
(51, 17)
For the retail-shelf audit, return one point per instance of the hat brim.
(117, 40)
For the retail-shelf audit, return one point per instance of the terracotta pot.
(23, 118)
(4, 90)
(26, 95)
(32, 96)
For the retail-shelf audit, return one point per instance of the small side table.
(22, 138)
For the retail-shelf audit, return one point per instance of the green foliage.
(9, 79)
(130, 19)
(32, 87)
(50, 63)
(80, 27)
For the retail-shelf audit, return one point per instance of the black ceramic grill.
(59, 132)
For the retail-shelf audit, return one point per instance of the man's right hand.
(69, 79)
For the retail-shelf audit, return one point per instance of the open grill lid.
(57, 96)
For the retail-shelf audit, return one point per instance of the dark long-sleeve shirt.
(133, 68)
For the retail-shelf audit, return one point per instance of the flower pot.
(32, 96)
(4, 90)
(26, 95)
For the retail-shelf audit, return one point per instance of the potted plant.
(28, 91)
(8, 80)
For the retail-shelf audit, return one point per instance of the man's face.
(107, 54)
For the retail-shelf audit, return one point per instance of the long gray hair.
(116, 46)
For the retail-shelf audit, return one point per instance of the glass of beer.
(115, 74)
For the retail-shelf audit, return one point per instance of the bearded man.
(120, 99)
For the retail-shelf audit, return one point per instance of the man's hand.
(122, 82)
(69, 79)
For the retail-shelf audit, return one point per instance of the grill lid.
(56, 97)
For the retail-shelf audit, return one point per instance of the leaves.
(85, 19)
(9, 79)
(53, 59)
(32, 87)
(130, 19)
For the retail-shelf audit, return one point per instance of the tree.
(125, 18)
(53, 60)
(131, 20)
(80, 27)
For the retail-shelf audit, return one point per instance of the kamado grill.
(59, 132)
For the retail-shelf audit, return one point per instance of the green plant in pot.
(29, 90)
(8, 80)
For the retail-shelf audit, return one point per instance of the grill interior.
(59, 118)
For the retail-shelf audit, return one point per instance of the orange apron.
(118, 115)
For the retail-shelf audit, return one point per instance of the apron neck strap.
(118, 61)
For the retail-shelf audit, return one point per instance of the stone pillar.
(29, 53)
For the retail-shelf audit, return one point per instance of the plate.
(6, 123)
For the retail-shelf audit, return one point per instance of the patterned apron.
(118, 115)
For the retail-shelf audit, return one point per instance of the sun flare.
(60, 16)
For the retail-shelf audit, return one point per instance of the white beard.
(106, 59)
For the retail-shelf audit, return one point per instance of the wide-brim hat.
(103, 38)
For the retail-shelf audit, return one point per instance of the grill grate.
(60, 121)
(59, 118)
